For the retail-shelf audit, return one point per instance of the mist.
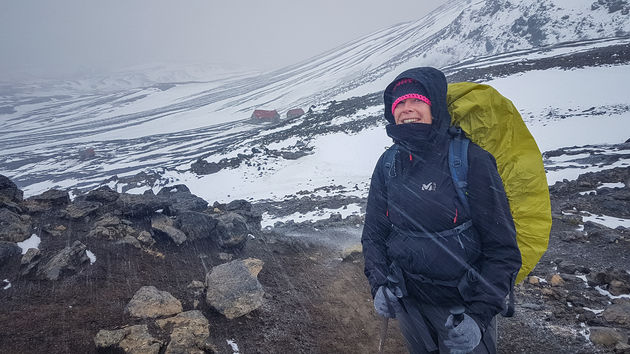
(72, 38)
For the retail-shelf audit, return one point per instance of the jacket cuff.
(482, 314)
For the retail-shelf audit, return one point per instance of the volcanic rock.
(102, 194)
(14, 227)
(149, 302)
(30, 260)
(618, 314)
(163, 225)
(80, 209)
(231, 230)
(52, 198)
(112, 228)
(607, 337)
(132, 339)
(233, 288)
(189, 333)
(137, 206)
(180, 199)
(196, 225)
(68, 261)
(8, 250)
(9, 190)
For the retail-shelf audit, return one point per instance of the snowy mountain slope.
(457, 31)
(329, 153)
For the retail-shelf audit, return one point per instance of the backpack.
(481, 114)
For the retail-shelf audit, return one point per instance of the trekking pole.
(391, 281)
(383, 334)
(458, 315)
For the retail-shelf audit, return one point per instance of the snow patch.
(608, 221)
(91, 256)
(234, 346)
(593, 311)
(31, 242)
(611, 296)
(318, 214)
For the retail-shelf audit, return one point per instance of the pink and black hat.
(408, 88)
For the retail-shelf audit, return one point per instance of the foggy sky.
(60, 38)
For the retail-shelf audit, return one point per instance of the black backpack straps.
(389, 163)
(458, 164)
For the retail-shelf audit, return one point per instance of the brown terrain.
(316, 298)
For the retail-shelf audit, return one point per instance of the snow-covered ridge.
(458, 30)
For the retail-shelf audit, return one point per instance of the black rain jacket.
(407, 214)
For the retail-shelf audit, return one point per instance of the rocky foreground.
(167, 273)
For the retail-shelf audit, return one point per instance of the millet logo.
(431, 186)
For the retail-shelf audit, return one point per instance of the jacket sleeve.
(376, 230)
(490, 212)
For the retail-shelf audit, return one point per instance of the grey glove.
(464, 337)
(386, 302)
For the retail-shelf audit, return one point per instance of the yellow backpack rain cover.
(492, 122)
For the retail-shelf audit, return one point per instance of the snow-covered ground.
(348, 160)
(166, 127)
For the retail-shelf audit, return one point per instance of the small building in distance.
(87, 153)
(294, 113)
(261, 115)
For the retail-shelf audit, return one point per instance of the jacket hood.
(434, 82)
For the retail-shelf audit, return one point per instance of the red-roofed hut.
(261, 115)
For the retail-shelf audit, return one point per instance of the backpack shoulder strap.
(458, 163)
(389, 163)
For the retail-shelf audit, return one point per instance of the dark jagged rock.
(196, 225)
(243, 208)
(68, 261)
(111, 227)
(54, 230)
(9, 190)
(30, 260)
(14, 227)
(102, 194)
(8, 250)
(234, 289)
(231, 231)
(138, 206)
(80, 209)
(203, 167)
(12, 206)
(52, 198)
(238, 205)
(163, 226)
(180, 199)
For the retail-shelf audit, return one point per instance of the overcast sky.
(59, 37)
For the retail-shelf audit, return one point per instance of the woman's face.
(412, 110)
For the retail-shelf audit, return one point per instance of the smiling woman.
(433, 258)
(411, 104)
